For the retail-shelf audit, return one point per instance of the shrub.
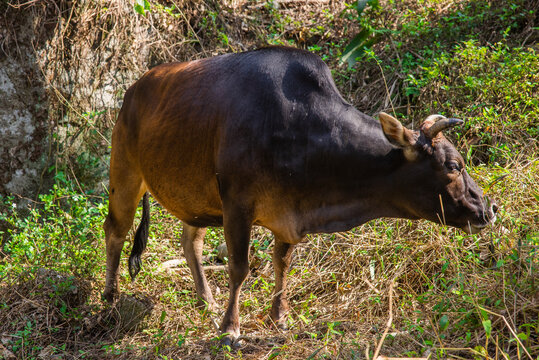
(495, 88)
(61, 231)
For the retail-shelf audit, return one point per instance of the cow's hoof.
(108, 296)
(281, 324)
(231, 342)
(227, 341)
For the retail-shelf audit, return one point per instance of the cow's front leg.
(237, 227)
(282, 256)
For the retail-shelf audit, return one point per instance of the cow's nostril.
(474, 195)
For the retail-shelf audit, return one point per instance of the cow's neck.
(370, 187)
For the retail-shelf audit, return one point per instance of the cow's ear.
(394, 131)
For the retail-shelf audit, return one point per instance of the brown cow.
(265, 138)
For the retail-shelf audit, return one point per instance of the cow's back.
(264, 122)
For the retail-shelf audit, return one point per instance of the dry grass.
(446, 286)
(339, 294)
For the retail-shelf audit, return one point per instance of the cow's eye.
(452, 165)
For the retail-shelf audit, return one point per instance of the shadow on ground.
(49, 315)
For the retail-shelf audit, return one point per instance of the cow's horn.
(441, 124)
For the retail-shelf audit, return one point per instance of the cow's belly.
(191, 199)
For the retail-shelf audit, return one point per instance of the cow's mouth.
(470, 228)
(476, 228)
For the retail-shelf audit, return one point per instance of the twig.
(385, 84)
(473, 351)
(18, 6)
(510, 329)
(371, 285)
(215, 268)
(389, 321)
(206, 268)
(190, 28)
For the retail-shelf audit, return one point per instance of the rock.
(23, 115)
(222, 252)
(131, 310)
(172, 264)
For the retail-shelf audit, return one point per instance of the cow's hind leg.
(282, 256)
(126, 189)
(192, 241)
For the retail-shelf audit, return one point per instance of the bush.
(495, 89)
(62, 231)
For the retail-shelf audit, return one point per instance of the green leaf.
(411, 91)
(359, 42)
(141, 6)
(163, 316)
(139, 9)
(360, 6)
(481, 350)
(483, 313)
(487, 325)
(303, 318)
(444, 322)
(445, 266)
(355, 48)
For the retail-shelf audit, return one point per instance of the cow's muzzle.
(489, 217)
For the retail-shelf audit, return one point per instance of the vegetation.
(390, 287)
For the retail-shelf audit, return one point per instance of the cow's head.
(438, 187)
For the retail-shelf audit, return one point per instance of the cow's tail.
(141, 238)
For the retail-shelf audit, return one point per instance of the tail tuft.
(141, 239)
